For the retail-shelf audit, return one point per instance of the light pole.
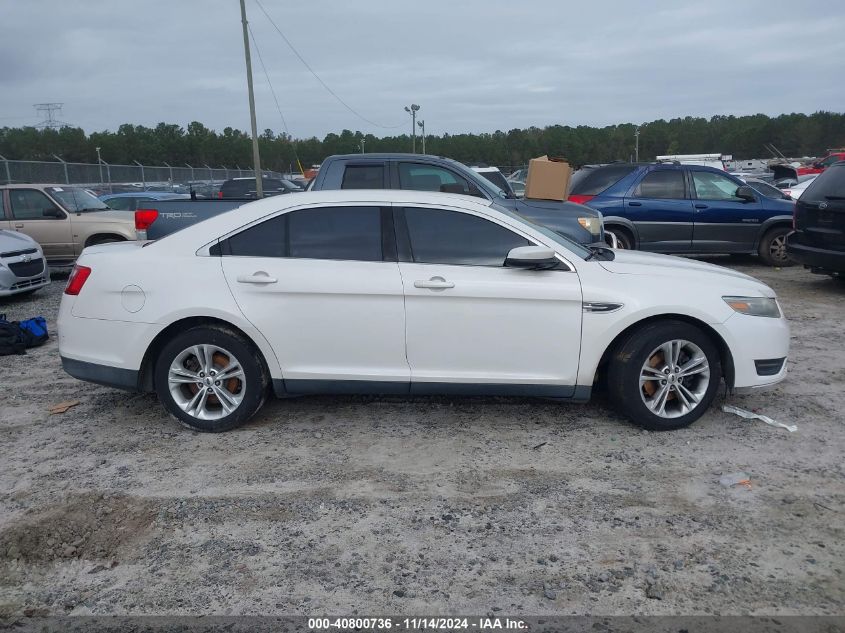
(361, 144)
(421, 123)
(100, 163)
(256, 157)
(413, 112)
(637, 144)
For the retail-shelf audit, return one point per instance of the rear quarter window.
(830, 185)
(591, 182)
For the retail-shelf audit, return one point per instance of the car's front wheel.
(664, 375)
(210, 379)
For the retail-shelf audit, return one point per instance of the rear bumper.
(101, 374)
(820, 259)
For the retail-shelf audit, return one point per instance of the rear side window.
(338, 233)
(830, 185)
(591, 182)
(438, 236)
(363, 177)
(663, 184)
(421, 177)
(29, 204)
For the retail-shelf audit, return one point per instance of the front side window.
(421, 177)
(337, 233)
(712, 186)
(438, 236)
(363, 177)
(30, 204)
(662, 184)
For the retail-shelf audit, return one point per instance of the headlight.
(754, 306)
(593, 225)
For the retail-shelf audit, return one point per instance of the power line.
(317, 77)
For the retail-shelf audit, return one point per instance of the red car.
(820, 165)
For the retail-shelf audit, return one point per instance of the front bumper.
(12, 284)
(754, 342)
(813, 257)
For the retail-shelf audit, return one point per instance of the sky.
(471, 65)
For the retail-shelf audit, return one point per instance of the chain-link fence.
(106, 176)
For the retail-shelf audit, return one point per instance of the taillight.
(78, 276)
(219, 194)
(144, 218)
(580, 199)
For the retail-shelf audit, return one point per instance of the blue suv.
(685, 209)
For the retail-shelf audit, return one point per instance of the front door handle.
(18, 226)
(635, 204)
(435, 283)
(701, 206)
(259, 278)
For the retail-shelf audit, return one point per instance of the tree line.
(795, 135)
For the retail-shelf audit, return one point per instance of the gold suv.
(63, 219)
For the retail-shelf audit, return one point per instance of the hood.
(11, 241)
(106, 216)
(555, 205)
(669, 266)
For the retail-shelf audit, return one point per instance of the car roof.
(149, 194)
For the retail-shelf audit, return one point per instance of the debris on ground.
(735, 479)
(750, 415)
(63, 406)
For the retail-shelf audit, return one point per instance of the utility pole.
(421, 123)
(413, 112)
(256, 157)
(637, 145)
(363, 140)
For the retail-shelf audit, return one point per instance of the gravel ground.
(349, 505)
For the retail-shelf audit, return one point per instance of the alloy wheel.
(674, 378)
(207, 382)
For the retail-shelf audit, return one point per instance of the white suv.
(403, 292)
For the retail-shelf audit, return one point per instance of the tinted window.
(662, 184)
(712, 186)
(246, 188)
(591, 182)
(363, 177)
(449, 237)
(336, 233)
(830, 185)
(29, 204)
(765, 188)
(420, 177)
(266, 239)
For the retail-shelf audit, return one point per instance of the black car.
(818, 241)
(244, 188)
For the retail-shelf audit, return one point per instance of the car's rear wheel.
(210, 379)
(624, 240)
(665, 375)
(772, 249)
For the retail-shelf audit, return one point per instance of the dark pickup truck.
(391, 171)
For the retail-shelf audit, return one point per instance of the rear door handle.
(635, 204)
(259, 278)
(435, 283)
(701, 206)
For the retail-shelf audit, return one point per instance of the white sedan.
(403, 292)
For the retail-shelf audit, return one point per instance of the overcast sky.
(473, 65)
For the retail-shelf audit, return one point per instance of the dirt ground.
(348, 505)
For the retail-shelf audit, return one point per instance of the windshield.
(569, 244)
(77, 200)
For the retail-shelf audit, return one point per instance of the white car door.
(474, 325)
(323, 286)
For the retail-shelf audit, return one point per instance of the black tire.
(629, 359)
(251, 389)
(772, 248)
(624, 239)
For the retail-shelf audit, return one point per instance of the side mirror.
(52, 212)
(745, 193)
(532, 258)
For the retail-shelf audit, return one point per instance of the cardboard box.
(548, 178)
